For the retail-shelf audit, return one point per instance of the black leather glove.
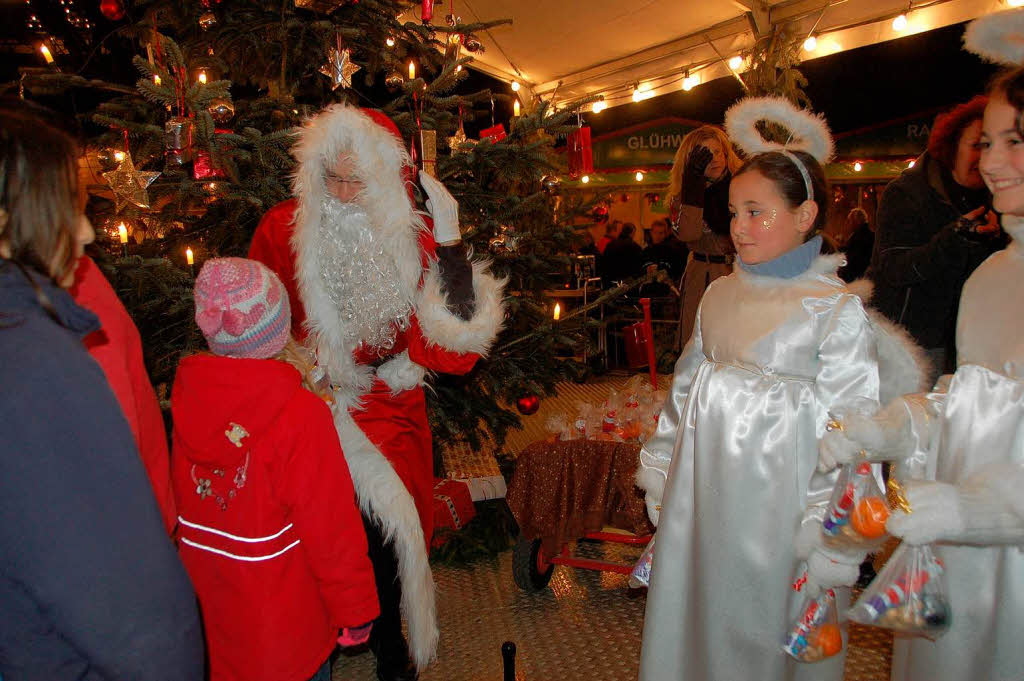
(693, 176)
(456, 279)
(978, 226)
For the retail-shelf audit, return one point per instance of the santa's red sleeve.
(439, 339)
(271, 245)
(321, 501)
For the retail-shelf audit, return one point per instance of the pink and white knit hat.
(242, 308)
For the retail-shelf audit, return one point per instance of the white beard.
(361, 276)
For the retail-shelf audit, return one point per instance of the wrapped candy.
(815, 633)
(560, 427)
(857, 511)
(641, 574)
(908, 596)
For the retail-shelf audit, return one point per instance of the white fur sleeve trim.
(401, 373)
(382, 496)
(441, 327)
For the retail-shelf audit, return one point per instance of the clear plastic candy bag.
(815, 634)
(908, 596)
(641, 574)
(857, 511)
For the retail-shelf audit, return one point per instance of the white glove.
(885, 436)
(443, 208)
(826, 567)
(652, 481)
(982, 510)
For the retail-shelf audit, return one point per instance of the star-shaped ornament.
(129, 185)
(339, 68)
(457, 139)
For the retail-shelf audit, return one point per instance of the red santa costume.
(368, 297)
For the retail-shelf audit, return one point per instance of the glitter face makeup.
(769, 221)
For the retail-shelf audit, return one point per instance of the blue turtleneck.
(788, 265)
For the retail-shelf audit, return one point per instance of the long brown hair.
(694, 139)
(38, 194)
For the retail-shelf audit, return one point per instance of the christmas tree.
(186, 161)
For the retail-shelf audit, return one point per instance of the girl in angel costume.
(730, 469)
(963, 443)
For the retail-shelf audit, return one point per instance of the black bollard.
(508, 654)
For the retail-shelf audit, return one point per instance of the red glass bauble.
(112, 9)
(528, 404)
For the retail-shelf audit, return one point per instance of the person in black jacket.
(666, 252)
(91, 587)
(622, 257)
(934, 227)
(858, 246)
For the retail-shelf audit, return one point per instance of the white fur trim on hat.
(998, 38)
(441, 327)
(808, 132)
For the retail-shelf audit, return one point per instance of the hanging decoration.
(207, 20)
(472, 44)
(550, 183)
(528, 404)
(456, 140)
(339, 67)
(178, 140)
(129, 185)
(495, 133)
(394, 80)
(221, 109)
(427, 11)
(112, 9)
(580, 152)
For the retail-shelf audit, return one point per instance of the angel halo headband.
(998, 38)
(807, 132)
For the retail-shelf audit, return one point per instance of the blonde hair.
(694, 139)
(299, 357)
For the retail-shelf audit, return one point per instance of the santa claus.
(383, 293)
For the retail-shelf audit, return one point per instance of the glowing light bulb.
(585, 179)
(156, 79)
(202, 77)
(515, 108)
(390, 42)
(189, 257)
(458, 69)
(122, 232)
(735, 63)
(412, 70)
(599, 106)
(690, 82)
(857, 167)
(1015, 3)
(912, 161)
(900, 23)
(46, 54)
(515, 86)
(636, 94)
(558, 311)
(811, 44)
(639, 176)
(118, 156)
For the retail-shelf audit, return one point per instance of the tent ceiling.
(570, 49)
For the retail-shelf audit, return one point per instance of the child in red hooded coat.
(268, 526)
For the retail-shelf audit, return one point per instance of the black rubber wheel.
(524, 566)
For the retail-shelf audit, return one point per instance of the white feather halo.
(808, 132)
(998, 37)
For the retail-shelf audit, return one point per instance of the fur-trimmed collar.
(824, 267)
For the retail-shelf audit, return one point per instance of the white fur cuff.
(473, 335)
(400, 373)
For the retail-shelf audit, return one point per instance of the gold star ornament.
(129, 185)
(339, 68)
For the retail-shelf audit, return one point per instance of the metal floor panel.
(585, 626)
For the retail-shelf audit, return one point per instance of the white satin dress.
(977, 421)
(738, 438)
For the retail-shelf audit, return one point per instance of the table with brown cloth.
(562, 490)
